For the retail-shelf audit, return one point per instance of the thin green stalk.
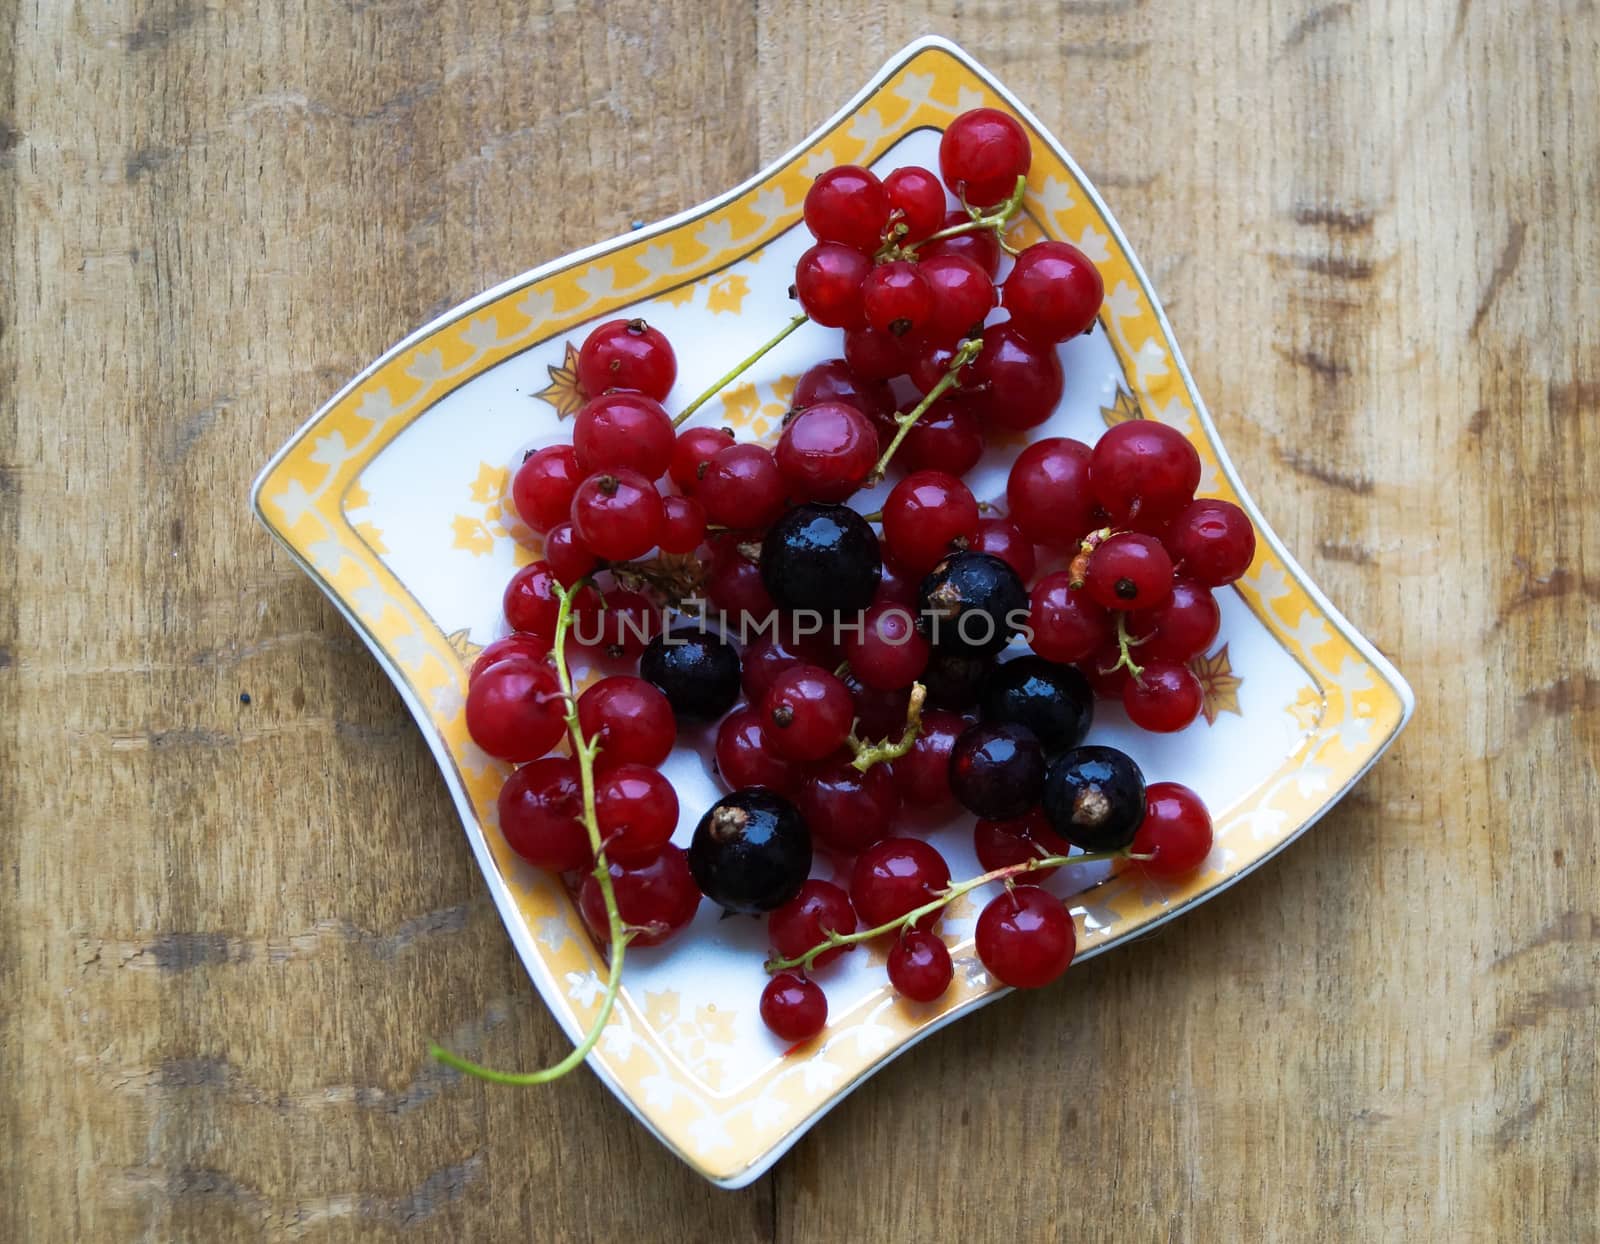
(996, 218)
(869, 754)
(967, 351)
(738, 371)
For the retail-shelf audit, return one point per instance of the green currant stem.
(584, 751)
(1125, 645)
(967, 351)
(738, 371)
(997, 218)
(869, 754)
(875, 517)
(1008, 873)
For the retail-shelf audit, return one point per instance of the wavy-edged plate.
(393, 498)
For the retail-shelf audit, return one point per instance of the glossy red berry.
(570, 559)
(742, 488)
(1053, 292)
(923, 774)
(1182, 628)
(531, 604)
(623, 431)
(655, 899)
(945, 438)
(826, 451)
(1002, 844)
(896, 298)
(896, 876)
(847, 809)
(919, 197)
(806, 713)
(1176, 831)
(515, 710)
(736, 588)
(982, 154)
(793, 1008)
(773, 652)
(1212, 541)
(637, 810)
(962, 294)
(683, 524)
(1165, 698)
(919, 966)
(1106, 675)
(1002, 538)
(834, 380)
(692, 453)
(926, 514)
(627, 354)
(879, 714)
(827, 281)
(623, 628)
(1066, 624)
(1014, 383)
(617, 514)
(1048, 492)
(543, 486)
(632, 718)
(848, 204)
(1025, 937)
(1143, 471)
(808, 918)
(877, 356)
(1129, 571)
(930, 366)
(518, 644)
(541, 811)
(745, 757)
(884, 649)
(978, 245)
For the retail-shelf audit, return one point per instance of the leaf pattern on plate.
(564, 392)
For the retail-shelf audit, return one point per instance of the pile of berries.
(873, 685)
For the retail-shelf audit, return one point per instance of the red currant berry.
(1004, 539)
(849, 205)
(1212, 541)
(1048, 492)
(1129, 571)
(827, 280)
(1179, 629)
(945, 438)
(926, 514)
(982, 154)
(1003, 844)
(627, 354)
(806, 920)
(1066, 625)
(875, 355)
(632, 720)
(569, 558)
(531, 603)
(919, 198)
(847, 809)
(1163, 699)
(745, 757)
(735, 587)
(626, 431)
(656, 898)
(1106, 676)
(515, 709)
(929, 367)
(879, 714)
(543, 486)
(1176, 830)
(1145, 471)
(637, 810)
(692, 453)
(541, 810)
(962, 294)
(886, 653)
(806, 713)
(897, 586)
(617, 514)
(624, 628)
(1025, 937)
(742, 488)
(897, 299)
(520, 644)
(896, 876)
(1016, 382)
(768, 656)
(826, 451)
(1053, 292)
(836, 381)
(923, 774)
(979, 245)
(683, 524)
(793, 1008)
(919, 966)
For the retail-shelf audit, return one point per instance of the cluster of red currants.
(893, 701)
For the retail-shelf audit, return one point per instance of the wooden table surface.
(226, 929)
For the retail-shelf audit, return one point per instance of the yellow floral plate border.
(305, 495)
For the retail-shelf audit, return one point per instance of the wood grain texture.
(225, 930)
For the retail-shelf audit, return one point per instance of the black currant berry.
(972, 601)
(1094, 798)
(821, 557)
(955, 678)
(1054, 701)
(697, 670)
(751, 852)
(997, 770)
